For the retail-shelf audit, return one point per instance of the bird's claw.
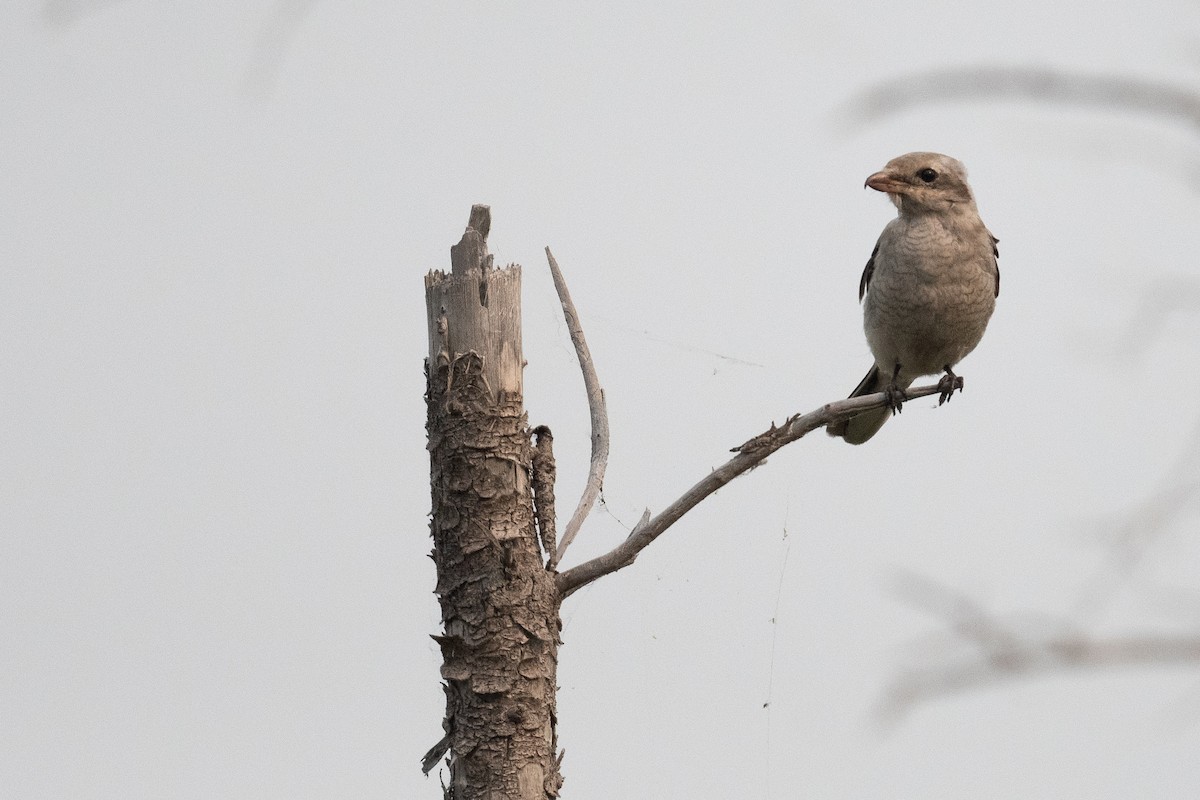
(895, 397)
(947, 386)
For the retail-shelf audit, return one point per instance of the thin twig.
(749, 455)
(596, 405)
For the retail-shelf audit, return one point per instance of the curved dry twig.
(597, 407)
(749, 456)
(1028, 83)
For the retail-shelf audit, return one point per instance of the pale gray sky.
(213, 535)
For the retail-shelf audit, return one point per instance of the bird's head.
(921, 182)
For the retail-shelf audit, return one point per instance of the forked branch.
(749, 455)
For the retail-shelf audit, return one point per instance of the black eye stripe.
(928, 175)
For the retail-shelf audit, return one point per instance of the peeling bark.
(500, 606)
(543, 475)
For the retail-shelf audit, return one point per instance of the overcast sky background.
(213, 479)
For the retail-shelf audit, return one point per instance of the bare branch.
(749, 456)
(979, 648)
(597, 407)
(1033, 657)
(1028, 83)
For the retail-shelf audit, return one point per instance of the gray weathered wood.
(499, 603)
(485, 304)
(596, 406)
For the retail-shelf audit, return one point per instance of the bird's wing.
(995, 260)
(868, 271)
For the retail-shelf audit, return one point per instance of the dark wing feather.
(868, 271)
(996, 261)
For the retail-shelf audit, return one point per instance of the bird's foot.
(895, 397)
(895, 394)
(947, 385)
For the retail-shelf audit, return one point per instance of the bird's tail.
(859, 429)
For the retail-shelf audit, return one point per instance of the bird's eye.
(928, 175)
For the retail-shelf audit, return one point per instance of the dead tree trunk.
(499, 602)
(500, 596)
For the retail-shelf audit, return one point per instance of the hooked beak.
(883, 182)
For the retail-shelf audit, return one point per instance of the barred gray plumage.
(928, 289)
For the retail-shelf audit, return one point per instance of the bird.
(929, 287)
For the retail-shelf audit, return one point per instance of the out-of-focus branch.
(1036, 657)
(68, 12)
(1130, 535)
(1116, 92)
(1158, 303)
(989, 650)
(749, 455)
(277, 33)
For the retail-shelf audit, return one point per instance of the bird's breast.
(931, 295)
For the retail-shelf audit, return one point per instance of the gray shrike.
(930, 285)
